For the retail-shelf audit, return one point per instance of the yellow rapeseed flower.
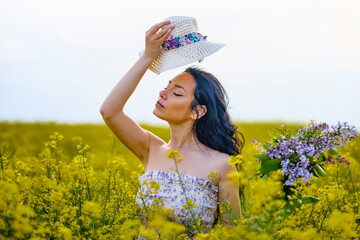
(341, 225)
(214, 177)
(175, 155)
(189, 204)
(236, 160)
(154, 185)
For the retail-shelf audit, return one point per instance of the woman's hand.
(154, 38)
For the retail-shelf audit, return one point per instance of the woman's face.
(175, 100)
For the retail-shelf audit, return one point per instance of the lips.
(159, 104)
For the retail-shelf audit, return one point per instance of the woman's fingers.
(164, 31)
(166, 35)
(154, 38)
(156, 27)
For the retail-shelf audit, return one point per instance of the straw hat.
(185, 45)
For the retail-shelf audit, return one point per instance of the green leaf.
(319, 171)
(314, 172)
(288, 208)
(274, 135)
(265, 146)
(255, 175)
(263, 157)
(333, 152)
(292, 204)
(288, 135)
(311, 159)
(270, 165)
(279, 130)
(321, 158)
(310, 199)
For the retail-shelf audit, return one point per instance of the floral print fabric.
(175, 42)
(203, 192)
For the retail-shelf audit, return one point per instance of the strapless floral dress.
(204, 194)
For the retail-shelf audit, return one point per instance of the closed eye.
(175, 93)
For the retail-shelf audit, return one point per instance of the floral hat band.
(187, 46)
(179, 41)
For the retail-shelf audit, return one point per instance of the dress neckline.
(188, 176)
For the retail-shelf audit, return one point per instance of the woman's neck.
(182, 136)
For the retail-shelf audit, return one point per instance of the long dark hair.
(215, 128)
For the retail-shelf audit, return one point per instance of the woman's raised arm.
(125, 129)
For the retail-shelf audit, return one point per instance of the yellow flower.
(234, 177)
(341, 225)
(66, 233)
(189, 204)
(175, 155)
(214, 177)
(236, 160)
(159, 225)
(154, 185)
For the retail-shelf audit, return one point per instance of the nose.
(162, 94)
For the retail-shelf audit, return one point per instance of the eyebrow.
(178, 86)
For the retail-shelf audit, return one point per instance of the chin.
(158, 115)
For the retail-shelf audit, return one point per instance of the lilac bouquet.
(303, 155)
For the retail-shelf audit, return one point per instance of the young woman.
(193, 103)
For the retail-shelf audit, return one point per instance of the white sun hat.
(185, 45)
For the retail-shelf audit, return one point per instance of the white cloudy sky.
(284, 60)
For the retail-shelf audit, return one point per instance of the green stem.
(117, 210)
(107, 199)
(2, 165)
(2, 162)
(322, 222)
(148, 214)
(48, 168)
(352, 184)
(146, 210)
(228, 210)
(242, 190)
(312, 210)
(58, 171)
(337, 173)
(86, 178)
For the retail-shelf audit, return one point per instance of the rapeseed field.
(61, 181)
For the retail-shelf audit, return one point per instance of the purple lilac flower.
(309, 142)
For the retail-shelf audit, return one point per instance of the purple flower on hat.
(178, 41)
(188, 27)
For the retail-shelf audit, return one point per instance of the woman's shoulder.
(223, 166)
(221, 158)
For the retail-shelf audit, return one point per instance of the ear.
(201, 111)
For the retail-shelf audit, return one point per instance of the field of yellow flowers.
(61, 181)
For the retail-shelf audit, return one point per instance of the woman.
(193, 104)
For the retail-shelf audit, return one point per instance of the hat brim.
(183, 55)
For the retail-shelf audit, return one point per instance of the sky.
(284, 60)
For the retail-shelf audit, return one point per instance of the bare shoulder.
(155, 143)
(222, 165)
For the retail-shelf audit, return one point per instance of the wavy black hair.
(215, 128)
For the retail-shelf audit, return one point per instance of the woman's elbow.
(103, 112)
(106, 115)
